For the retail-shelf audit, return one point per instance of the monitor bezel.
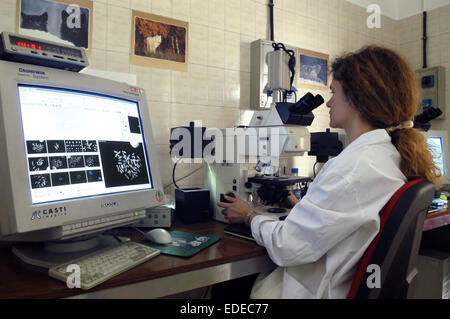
(445, 179)
(18, 198)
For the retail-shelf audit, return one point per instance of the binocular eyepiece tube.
(307, 103)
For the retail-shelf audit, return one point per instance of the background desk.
(436, 220)
(164, 275)
(434, 258)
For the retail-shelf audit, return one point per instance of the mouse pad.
(185, 244)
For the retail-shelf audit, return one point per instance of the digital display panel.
(41, 46)
(81, 144)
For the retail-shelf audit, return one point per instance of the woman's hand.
(236, 211)
(291, 200)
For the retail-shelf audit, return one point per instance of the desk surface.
(436, 220)
(230, 258)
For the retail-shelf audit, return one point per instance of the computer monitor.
(438, 143)
(77, 154)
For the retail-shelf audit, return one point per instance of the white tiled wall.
(216, 89)
(438, 48)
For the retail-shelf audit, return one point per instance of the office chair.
(396, 247)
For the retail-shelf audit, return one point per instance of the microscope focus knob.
(222, 197)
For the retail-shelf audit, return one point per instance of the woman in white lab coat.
(318, 246)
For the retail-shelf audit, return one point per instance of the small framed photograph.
(159, 41)
(313, 68)
(63, 21)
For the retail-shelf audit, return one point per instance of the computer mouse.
(159, 236)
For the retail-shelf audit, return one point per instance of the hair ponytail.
(416, 158)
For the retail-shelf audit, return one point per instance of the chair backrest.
(396, 247)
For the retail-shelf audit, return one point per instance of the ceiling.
(400, 9)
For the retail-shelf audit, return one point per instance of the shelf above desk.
(164, 275)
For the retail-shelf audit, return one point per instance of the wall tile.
(248, 17)
(217, 14)
(198, 43)
(216, 47)
(180, 87)
(181, 10)
(117, 61)
(261, 21)
(444, 20)
(162, 7)
(232, 50)
(100, 27)
(198, 83)
(118, 30)
(199, 11)
(161, 85)
(233, 15)
(216, 86)
(160, 119)
(232, 88)
(119, 3)
(141, 5)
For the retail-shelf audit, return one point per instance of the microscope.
(252, 167)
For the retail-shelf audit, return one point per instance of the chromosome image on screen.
(94, 176)
(56, 146)
(81, 144)
(90, 146)
(38, 163)
(59, 179)
(123, 164)
(91, 160)
(58, 162)
(75, 161)
(78, 177)
(40, 181)
(36, 147)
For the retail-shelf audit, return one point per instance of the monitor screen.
(81, 144)
(437, 150)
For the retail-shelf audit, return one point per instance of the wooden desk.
(436, 220)
(230, 258)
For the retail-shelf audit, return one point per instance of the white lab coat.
(319, 245)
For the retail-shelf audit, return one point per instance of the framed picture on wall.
(313, 68)
(159, 42)
(62, 21)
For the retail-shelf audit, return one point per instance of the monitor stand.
(50, 254)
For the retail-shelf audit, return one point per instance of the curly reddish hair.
(384, 89)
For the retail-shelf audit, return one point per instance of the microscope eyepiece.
(307, 103)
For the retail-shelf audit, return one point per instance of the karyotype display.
(123, 164)
(119, 163)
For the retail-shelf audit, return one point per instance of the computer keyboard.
(104, 264)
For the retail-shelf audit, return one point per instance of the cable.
(271, 20)
(173, 173)
(314, 168)
(186, 176)
(292, 62)
(137, 229)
